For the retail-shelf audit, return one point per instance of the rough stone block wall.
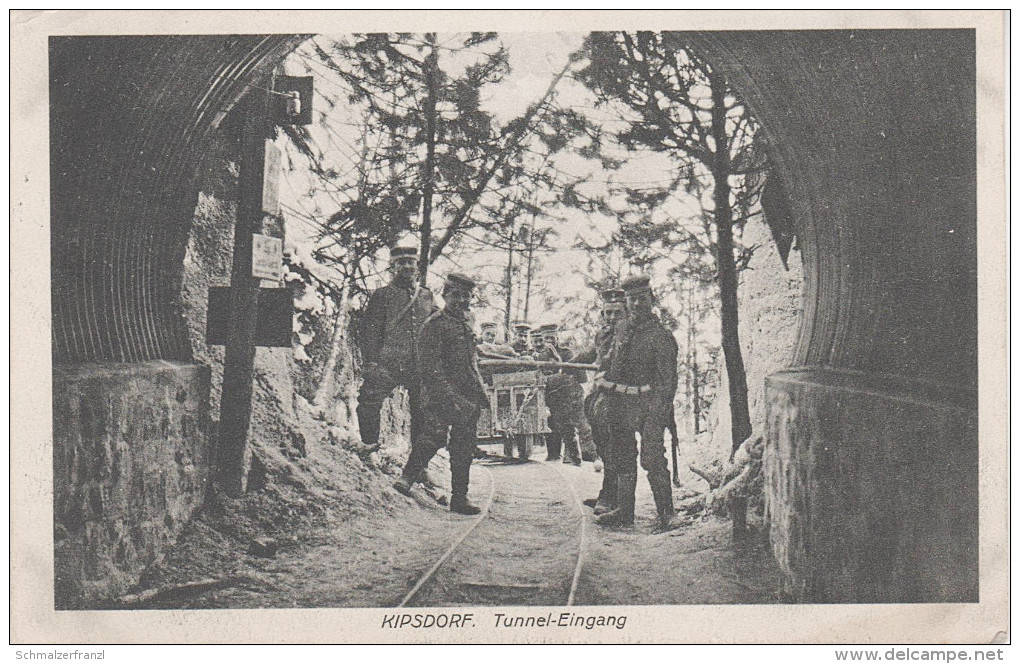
(770, 301)
(855, 470)
(130, 466)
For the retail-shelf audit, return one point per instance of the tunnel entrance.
(880, 179)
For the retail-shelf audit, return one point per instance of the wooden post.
(239, 361)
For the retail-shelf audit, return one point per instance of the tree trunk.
(697, 392)
(323, 394)
(500, 159)
(508, 281)
(693, 375)
(531, 257)
(428, 183)
(727, 270)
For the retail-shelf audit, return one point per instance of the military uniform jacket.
(599, 352)
(390, 326)
(448, 366)
(645, 353)
(547, 354)
(493, 351)
(521, 349)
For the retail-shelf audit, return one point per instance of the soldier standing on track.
(563, 396)
(388, 330)
(613, 311)
(452, 393)
(637, 392)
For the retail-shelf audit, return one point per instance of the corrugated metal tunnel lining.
(129, 124)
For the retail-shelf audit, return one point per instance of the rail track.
(514, 552)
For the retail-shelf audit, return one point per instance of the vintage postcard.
(508, 327)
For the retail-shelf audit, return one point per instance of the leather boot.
(603, 505)
(553, 444)
(623, 515)
(608, 494)
(595, 502)
(403, 485)
(571, 448)
(662, 492)
(460, 505)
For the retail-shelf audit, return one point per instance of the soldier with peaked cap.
(522, 330)
(538, 347)
(452, 393)
(638, 388)
(613, 311)
(388, 329)
(490, 347)
(490, 333)
(564, 396)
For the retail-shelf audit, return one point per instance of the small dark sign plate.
(275, 318)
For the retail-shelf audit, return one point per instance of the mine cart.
(516, 412)
(517, 397)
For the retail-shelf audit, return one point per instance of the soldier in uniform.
(637, 392)
(613, 311)
(490, 333)
(390, 324)
(540, 350)
(563, 396)
(491, 347)
(452, 393)
(521, 345)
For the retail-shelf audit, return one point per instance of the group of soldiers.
(563, 391)
(406, 340)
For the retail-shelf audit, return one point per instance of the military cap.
(521, 325)
(549, 327)
(537, 332)
(397, 251)
(636, 284)
(490, 326)
(613, 295)
(461, 281)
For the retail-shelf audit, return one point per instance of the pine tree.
(675, 103)
(431, 161)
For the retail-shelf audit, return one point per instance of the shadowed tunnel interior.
(872, 134)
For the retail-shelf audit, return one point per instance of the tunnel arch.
(124, 185)
(873, 136)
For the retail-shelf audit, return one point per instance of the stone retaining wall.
(130, 466)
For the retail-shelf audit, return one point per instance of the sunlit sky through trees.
(562, 271)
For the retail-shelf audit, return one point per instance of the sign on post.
(271, 181)
(266, 257)
(275, 318)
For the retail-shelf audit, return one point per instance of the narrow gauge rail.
(472, 528)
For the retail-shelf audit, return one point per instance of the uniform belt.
(621, 388)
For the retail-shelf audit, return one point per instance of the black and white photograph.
(512, 327)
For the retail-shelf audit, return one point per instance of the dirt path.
(524, 552)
